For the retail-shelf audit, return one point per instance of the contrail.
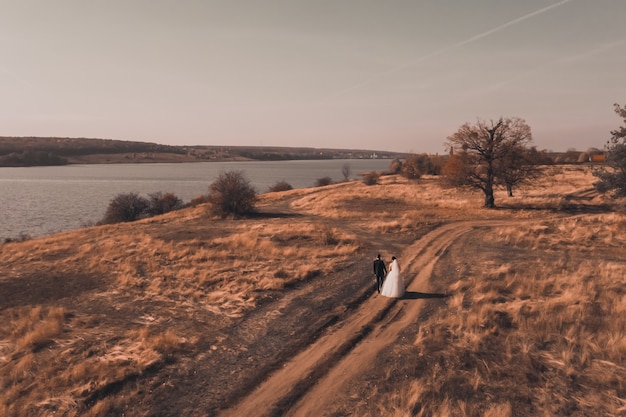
(473, 95)
(573, 58)
(455, 46)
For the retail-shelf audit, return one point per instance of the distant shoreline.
(34, 151)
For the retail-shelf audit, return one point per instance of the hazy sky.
(383, 75)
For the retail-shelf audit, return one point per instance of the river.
(37, 201)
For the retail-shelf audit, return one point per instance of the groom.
(380, 270)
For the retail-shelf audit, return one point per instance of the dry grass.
(545, 328)
(54, 362)
(62, 378)
(544, 333)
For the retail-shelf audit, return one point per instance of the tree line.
(489, 154)
(484, 155)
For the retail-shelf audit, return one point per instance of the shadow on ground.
(413, 295)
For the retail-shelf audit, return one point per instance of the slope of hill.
(32, 151)
(514, 311)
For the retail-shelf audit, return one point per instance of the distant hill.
(41, 151)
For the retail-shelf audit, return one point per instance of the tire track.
(421, 258)
(302, 385)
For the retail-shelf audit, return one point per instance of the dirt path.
(310, 380)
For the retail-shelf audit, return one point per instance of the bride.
(393, 285)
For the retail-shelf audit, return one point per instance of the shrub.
(125, 208)
(370, 178)
(199, 199)
(395, 167)
(22, 237)
(280, 186)
(321, 182)
(232, 194)
(414, 166)
(163, 203)
(612, 177)
(456, 171)
(327, 235)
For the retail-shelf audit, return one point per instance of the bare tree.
(483, 147)
(515, 168)
(612, 177)
(345, 171)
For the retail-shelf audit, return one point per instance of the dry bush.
(231, 194)
(370, 178)
(160, 203)
(323, 181)
(199, 200)
(126, 207)
(280, 186)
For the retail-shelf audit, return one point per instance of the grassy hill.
(33, 151)
(514, 311)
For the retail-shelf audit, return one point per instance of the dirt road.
(310, 381)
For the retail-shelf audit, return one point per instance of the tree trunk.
(509, 189)
(489, 200)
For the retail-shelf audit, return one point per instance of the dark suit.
(380, 270)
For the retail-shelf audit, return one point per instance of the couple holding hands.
(389, 284)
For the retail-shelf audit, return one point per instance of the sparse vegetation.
(521, 308)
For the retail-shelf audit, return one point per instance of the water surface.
(41, 200)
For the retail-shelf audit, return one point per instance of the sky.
(347, 74)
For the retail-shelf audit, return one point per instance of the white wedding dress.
(393, 286)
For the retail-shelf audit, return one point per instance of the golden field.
(517, 311)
